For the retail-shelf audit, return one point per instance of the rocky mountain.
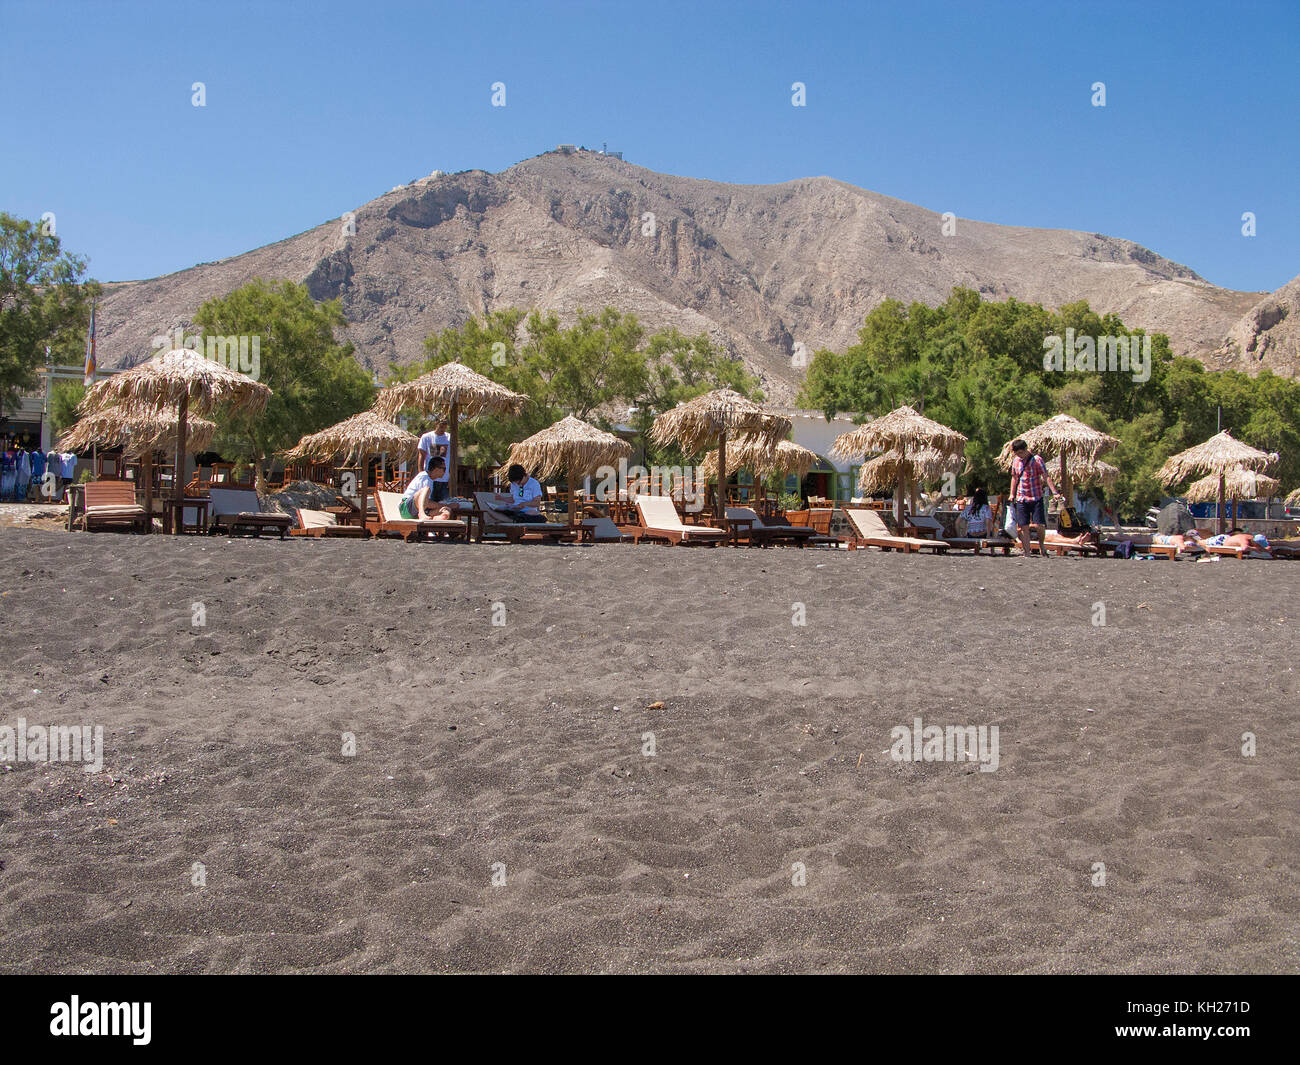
(762, 268)
(1267, 335)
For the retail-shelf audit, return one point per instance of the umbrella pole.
(148, 486)
(178, 475)
(453, 456)
(1065, 481)
(902, 480)
(361, 474)
(722, 479)
(1221, 503)
(573, 501)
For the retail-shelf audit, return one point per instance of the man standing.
(1028, 475)
(433, 444)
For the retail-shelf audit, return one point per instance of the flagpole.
(88, 381)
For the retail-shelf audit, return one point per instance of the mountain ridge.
(761, 268)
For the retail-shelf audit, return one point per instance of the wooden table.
(174, 512)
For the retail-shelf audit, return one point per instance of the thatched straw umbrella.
(570, 445)
(182, 379)
(137, 432)
(359, 436)
(761, 459)
(1293, 500)
(902, 430)
(1218, 456)
(1238, 484)
(1065, 438)
(708, 420)
(456, 389)
(926, 464)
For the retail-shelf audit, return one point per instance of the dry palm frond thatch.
(135, 431)
(1293, 500)
(570, 445)
(707, 420)
(452, 386)
(745, 453)
(1219, 454)
(362, 434)
(182, 374)
(1062, 435)
(902, 429)
(925, 464)
(1237, 484)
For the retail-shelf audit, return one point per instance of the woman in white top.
(978, 515)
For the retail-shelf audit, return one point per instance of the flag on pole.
(89, 377)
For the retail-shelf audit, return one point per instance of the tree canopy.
(603, 369)
(44, 299)
(314, 380)
(978, 366)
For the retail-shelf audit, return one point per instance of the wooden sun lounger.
(763, 535)
(604, 531)
(1142, 543)
(928, 528)
(111, 504)
(493, 524)
(872, 532)
(321, 524)
(660, 520)
(389, 521)
(238, 509)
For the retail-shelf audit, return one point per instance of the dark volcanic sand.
(223, 746)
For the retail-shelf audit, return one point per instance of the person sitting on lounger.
(415, 500)
(525, 494)
(978, 515)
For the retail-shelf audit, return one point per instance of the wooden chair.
(111, 504)
(388, 510)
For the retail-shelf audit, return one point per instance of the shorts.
(1030, 512)
(406, 508)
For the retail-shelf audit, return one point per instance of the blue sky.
(980, 109)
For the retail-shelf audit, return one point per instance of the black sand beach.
(515, 752)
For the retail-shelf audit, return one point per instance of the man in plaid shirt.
(1028, 475)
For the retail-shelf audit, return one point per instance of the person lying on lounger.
(1257, 546)
(1054, 537)
(1184, 541)
(415, 500)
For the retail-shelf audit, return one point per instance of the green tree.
(64, 397)
(43, 300)
(595, 369)
(314, 380)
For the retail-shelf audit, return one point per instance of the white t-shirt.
(429, 444)
(529, 489)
